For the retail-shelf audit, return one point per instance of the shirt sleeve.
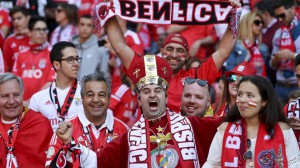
(88, 157)
(215, 151)
(292, 149)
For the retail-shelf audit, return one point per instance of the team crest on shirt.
(78, 101)
(50, 152)
(42, 63)
(23, 65)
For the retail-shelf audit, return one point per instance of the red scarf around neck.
(268, 152)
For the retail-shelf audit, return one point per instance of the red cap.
(244, 69)
(150, 69)
(182, 42)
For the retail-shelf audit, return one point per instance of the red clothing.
(204, 130)
(32, 141)
(111, 129)
(5, 18)
(207, 71)
(13, 45)
(292, 109)
(1, 40)
(35, 70)
(123, 103)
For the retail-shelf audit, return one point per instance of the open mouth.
(153, 105)
(191, 109)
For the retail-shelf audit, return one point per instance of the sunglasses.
(258, 22)
(193, 80)
(59, 10)
(248, 154)
(280, 16)
(233, 78)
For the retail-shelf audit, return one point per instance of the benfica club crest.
(166, 158)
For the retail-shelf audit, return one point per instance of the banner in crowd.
(183, 12)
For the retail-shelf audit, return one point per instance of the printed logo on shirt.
(23, 65)
(50, 152)
(78, 101)
(13, 45)
(48, 102)
(42, 63)
(80, 139)
(30, 73)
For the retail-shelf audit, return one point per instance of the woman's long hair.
(245, 27)
(272, 113)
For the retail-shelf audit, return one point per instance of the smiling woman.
(257, 117)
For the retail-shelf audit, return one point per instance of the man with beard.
(175, 50)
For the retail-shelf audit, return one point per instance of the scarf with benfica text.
(182, 136)
(188, 12)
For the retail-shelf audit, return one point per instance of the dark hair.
(294, 94)
(272, 113)
(225, 95)
(71, 12)
(99, 77)
(17, 9)
(56, 52)
(34, 20)
(297, 60)
(265, 6)
(86, 16)
(285, 3)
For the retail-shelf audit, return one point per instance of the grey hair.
(10, 76)
(100, 77)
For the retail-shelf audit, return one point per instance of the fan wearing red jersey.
(94, 127)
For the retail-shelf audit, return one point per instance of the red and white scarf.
(188, 12)
(10, 138)
(268, 152)
(286, 42)
(256, 58)
(182, 136)
(39, 47)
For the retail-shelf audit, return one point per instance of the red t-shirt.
(292, 109)
(32, 141)
(123, 103)
(207, 71)
(5, 18)
(35, 70)
(13, 45)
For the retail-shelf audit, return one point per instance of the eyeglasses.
(233, 78)
(248, 154)
(298, 76)
(193, 80)
(71, 59)
(258, 22)
(280, 16)
(41, 30)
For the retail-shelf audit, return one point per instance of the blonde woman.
(248, 46)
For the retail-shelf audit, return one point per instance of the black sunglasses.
(233, 78)
(258, 22)
(282, 16)
(193, 80)
(248, 154)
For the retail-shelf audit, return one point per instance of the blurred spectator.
(248, 46)
(19, 40)
(286, 44)
(33, 65)
(35, 7)
(5, 22)
(93, 53)
(8, 4)
(199, 38)
(66, 17)
(2, 63)
(293, 95)
(124, 102)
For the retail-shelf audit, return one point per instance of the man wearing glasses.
(62, 99)
(286, 44)
(195, 99)
(33, 64)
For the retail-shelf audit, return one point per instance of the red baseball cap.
(169, 39)
(243, 69)
(150, 69)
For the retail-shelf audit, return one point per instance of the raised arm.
(225, 47)
(117, 40)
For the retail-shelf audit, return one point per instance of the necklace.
(160, 138)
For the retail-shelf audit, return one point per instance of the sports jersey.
(13, 45)
(35, 70)
(44, 102)
(123, 103)
(86, 134)
(4, 18)
(32, 141)
(292, 109)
